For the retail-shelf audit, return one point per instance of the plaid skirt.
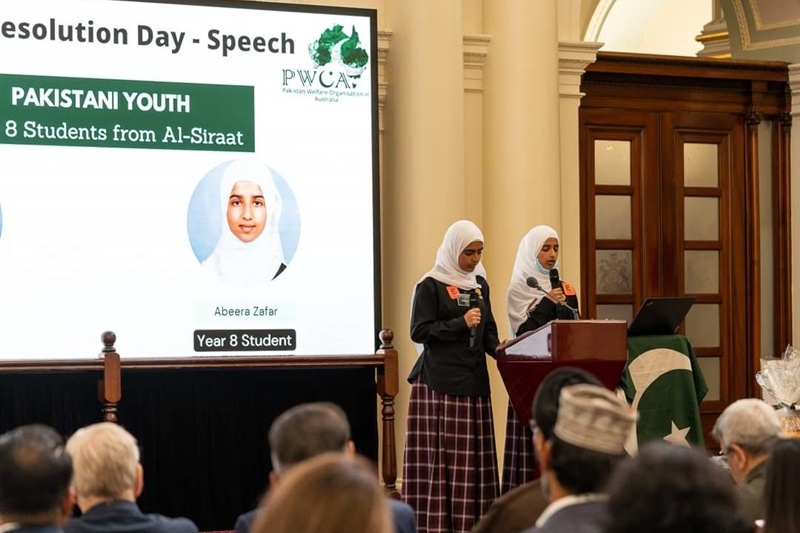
(519, 458)
(450, 474)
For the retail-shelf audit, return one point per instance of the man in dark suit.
(308, 430)
(108, 479)
(34, 480)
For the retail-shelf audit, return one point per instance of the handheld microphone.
(555, 281)
(473, 331)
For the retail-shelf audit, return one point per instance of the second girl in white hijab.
(529, 309)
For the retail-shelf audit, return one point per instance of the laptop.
(660, 316)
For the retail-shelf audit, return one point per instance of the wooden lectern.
(597, 346)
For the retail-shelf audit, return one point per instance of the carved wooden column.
(794, 84)
(388, 385)
(753, 239)
(109, 387)
(782, 218)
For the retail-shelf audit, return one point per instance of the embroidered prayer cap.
(594, 418)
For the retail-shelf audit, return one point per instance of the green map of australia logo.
(335, 47)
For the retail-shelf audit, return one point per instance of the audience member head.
(35, 472)
(588, 440)
(544, 409)
(746, 430)
(782, 488)
(305, 431)
(330, 493)
(668, 488)
(106, 461)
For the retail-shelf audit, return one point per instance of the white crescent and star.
(678, 436)
(644, 371)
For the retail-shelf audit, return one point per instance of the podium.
(597, 346)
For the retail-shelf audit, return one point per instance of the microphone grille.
(555, 281)
(532, 282)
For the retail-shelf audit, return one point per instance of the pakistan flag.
(665, 384)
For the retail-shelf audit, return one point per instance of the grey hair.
(751, 423)
(305, 431)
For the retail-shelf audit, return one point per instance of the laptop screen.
(660, 316)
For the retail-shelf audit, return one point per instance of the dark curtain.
(203, 433)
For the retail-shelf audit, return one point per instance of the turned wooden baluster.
(109, 387)
(387, 387)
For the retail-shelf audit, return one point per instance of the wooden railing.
(111, 366)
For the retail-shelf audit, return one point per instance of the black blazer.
(125, 517)
(452, 362)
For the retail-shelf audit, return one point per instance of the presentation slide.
(200, 179)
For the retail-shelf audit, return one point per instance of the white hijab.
(259, 260)
(446, 270)
(521, 297)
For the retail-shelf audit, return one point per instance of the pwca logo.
(339, 61)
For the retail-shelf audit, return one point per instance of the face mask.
(542, 269)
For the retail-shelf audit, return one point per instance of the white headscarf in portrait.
(446, 270)
(520, 296)
(259, 260)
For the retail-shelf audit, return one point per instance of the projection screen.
(200, 178)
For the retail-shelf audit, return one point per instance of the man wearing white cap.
(588, 441)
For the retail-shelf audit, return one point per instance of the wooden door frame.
(624, 130)
(751, 90)
(727, 131)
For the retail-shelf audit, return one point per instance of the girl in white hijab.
(249, 249)
(450, 474)
(446, 268)
(528, 309)
(521, 297)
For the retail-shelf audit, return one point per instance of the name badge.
(569, 290)
(463, 300)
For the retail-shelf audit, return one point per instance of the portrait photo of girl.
(240, 239)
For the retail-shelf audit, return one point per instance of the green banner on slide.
(56, 111)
